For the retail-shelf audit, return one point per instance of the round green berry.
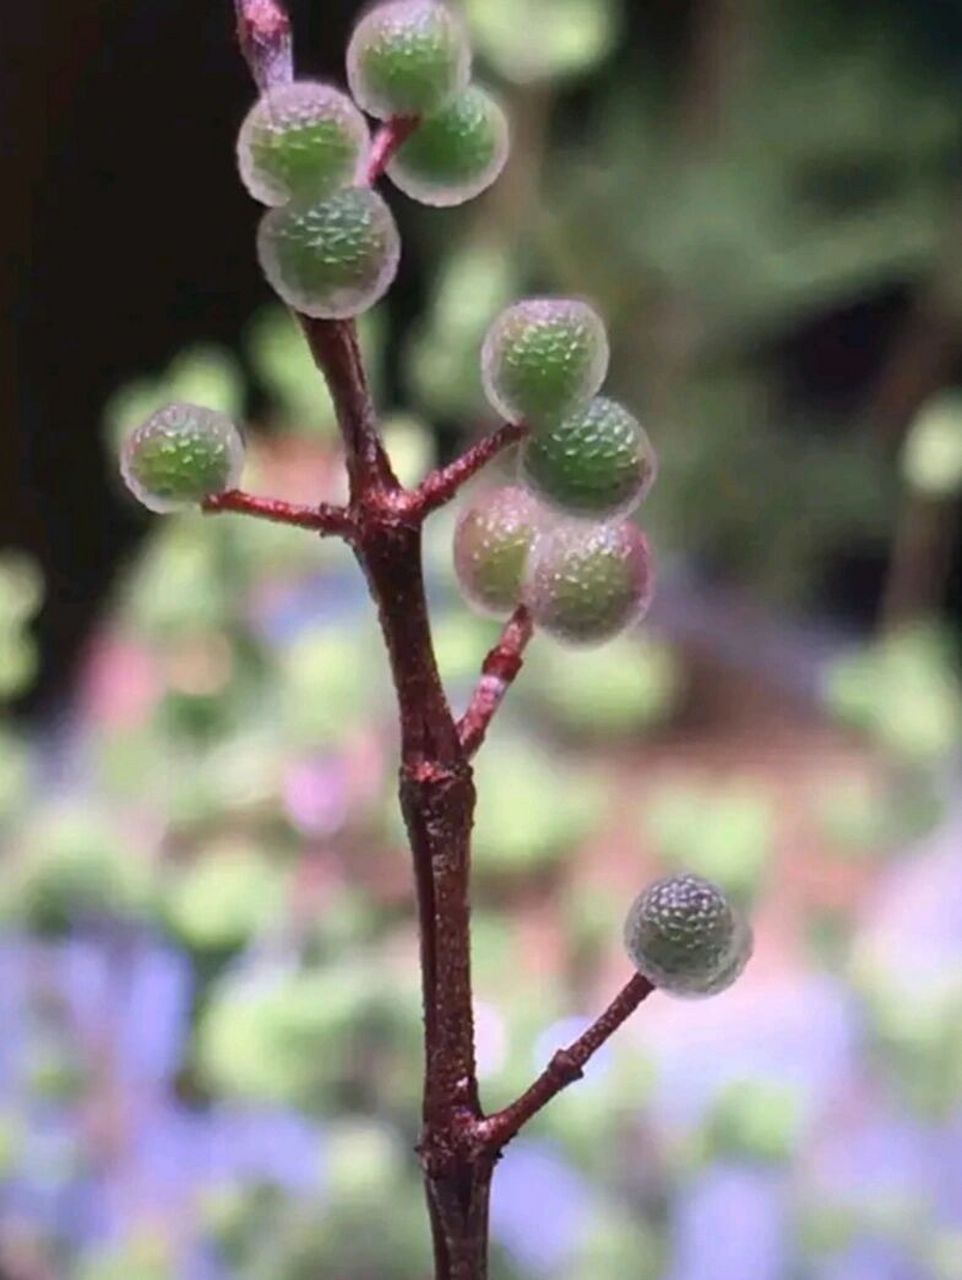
(595, 462)
(684, 936)
(301, 140)
(330, 258)
(407, 57)
(454, 154)
(584, 583)
(181, 455)
(544, 358)
(491, 545)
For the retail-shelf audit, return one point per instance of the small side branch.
(442, 485)
(498, 673)
(264, 35)
(565, 1067)
(324, 519)
(387, 140)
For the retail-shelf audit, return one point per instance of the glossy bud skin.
(491, 545)
(181, 455)
(597, 462)
(331, 258)
(407, 58)
(544, 358)
(585, 583)
(301, 140)
(684, 936)
(455, 153)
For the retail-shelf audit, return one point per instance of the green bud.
(686, 938)
(491, 544)
(596, 462)
(585, 583)
(544, 358)
(181, 455)
(301, 140)
(407, 57)
(331, 258)
(454, 154)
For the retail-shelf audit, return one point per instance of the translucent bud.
(544, 358)
(584, 583)
(686, 938)
(301, 140)
(595, 462)
(454, 154)
(181, 455)
(491, 544)
(407, 57)
(330, 258)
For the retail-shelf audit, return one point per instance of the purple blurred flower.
(540, 1208)
(731, 1224)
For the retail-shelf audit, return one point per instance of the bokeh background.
(210, 1048)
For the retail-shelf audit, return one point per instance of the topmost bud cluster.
(407, 58)
(330, 246)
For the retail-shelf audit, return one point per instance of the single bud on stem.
(684, 936)
(181, 455)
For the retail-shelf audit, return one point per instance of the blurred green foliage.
(904, 692)
(725, 834)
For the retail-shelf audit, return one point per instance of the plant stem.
(499, 671)
(387, 140)
(566, 1066)
(441, 486)
(324, 519)
(383, 523)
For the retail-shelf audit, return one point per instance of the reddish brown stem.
(264, 35)
(386, 142)
(323, 519)
(337, 352)
(498, 672)
(442, 485)
(436, 788)
(383, 524)
(565, 1067)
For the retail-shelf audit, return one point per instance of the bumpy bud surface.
(301, 140)
(407, 57)
(181, 455)
(596, 462)
(330, 258)
(491, 545)
(685, 937)
(454, 154)
(544, 358)
(584, 582)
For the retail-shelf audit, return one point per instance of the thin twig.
(386, 142)
(442, 485)
(565, 1067)
(498, 672)
(324, 519)
(264, 35)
